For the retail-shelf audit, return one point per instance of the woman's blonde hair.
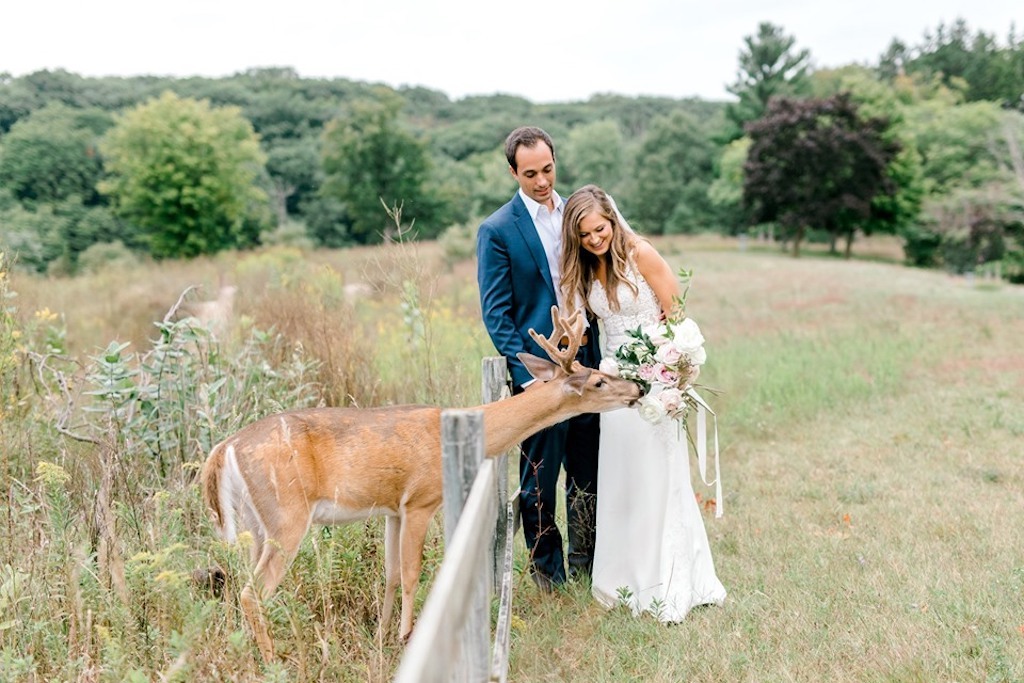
(579, 266)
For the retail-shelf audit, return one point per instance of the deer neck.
(508, 422)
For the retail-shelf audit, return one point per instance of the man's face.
(536, 172)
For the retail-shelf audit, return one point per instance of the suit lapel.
(528, 231)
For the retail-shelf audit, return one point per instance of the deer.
(281, 474)
(216, 315)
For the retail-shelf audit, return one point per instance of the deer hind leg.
(276, 556)
(392, 573)
(251, 522)
(414, 525)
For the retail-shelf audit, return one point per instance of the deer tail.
(212, 483)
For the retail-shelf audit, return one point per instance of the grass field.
(873, 466)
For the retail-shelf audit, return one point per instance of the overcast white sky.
(558, 51)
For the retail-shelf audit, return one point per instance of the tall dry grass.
(872, 450)
(100, 542)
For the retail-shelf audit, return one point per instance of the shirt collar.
(533, 207)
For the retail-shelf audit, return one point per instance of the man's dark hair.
(525, 136)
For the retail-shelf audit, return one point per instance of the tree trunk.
(849, 245)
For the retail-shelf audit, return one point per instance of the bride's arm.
(658, 274)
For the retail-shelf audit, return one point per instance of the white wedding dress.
(652, 550)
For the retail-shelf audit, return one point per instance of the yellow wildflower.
(45, 315)
(51, 475)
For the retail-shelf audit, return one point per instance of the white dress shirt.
(549, 229)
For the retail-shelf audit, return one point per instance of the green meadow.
(872, 448)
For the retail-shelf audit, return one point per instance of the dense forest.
(925, 144)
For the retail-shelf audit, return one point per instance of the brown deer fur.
(281, 474)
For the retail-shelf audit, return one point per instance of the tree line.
(926, 144)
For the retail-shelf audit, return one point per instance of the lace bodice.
(634, 311)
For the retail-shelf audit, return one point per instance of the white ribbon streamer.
(702, 448)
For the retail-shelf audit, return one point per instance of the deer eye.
(599, 383)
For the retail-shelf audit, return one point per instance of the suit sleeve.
(494, 276)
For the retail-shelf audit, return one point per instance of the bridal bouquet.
(664, 359)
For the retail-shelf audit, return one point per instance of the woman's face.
(596, 233)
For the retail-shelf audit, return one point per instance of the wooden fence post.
(475, 492)
(435, 652)
(495, 387)
(462, 451)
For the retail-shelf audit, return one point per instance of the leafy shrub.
(458, 243)
(967, 229)
(1013, 267)
(105, 255)
(34, 237)
(921, 246)
(289, 234)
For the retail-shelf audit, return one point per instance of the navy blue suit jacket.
(516, 293)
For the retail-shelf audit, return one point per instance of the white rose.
(657, 333)
(686, 334)
(609, 367)
(698, 357)
(687, 338)
(651, 409)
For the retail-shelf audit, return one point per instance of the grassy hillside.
(872, 460)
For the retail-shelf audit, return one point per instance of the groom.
(518, 251)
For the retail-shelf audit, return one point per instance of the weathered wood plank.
(432, 652)
(503, 628)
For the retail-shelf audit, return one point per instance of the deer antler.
(569, 329)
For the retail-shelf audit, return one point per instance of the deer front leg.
(414, 532)
(392, 571)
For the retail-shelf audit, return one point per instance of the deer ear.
(541, 369)
(577, 381)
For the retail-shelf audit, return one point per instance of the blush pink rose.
(666, 375)
(671, 399)
(646, 372)
(669, 354)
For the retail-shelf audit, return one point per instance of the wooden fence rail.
(452, 637)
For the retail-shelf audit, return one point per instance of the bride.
(652, 551)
